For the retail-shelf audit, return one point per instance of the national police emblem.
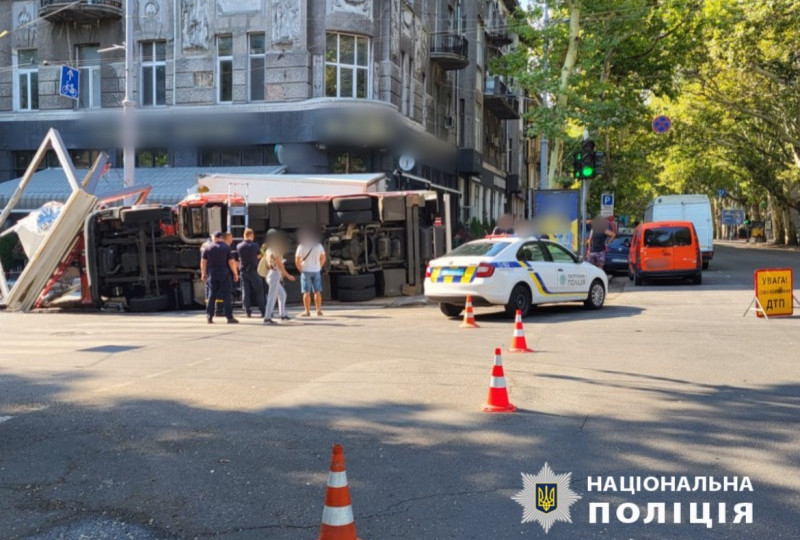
(546, 497)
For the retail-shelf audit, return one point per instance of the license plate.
(452, 271)
(619, 260)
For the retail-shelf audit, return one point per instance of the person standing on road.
(218, 267)
(276, 247)
(309, 260)
(602, 233)
(252, 284)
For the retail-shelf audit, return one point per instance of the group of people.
(222, 265)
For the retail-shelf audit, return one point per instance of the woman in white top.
(276, 247)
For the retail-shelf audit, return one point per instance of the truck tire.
(149, 304)
(352, 204)
(356, 217)
(451, 310)
(356, 295)
(134, 216)
(355, 282)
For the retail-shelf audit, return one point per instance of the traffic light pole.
(584, 198)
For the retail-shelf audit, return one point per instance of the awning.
(170, 185)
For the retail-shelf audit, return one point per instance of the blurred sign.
(774, 292)
(70, 83)
(732, 216)
(607, 204)
(555, 213)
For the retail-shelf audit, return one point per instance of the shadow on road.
(172, 470)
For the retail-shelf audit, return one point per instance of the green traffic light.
(587, 171)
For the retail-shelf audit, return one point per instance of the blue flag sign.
(70, 83)
(661, 124)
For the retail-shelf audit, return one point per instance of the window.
(531, 253)
(23, 158)
(152, 157)
(347, 72)
(27, 80)
(255, 155)
(559, 254)
(479, 248)
(257, 64)
(225, 69)
(412, 90)
(154, 73)
(83, 159)
(480, 46)
(667, 237)
(478, 126)
(350, 162)
(404, 84)
(89, 66)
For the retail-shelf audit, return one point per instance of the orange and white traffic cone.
(337, 514)
(518, 343)
(498, 394)
(469, 315)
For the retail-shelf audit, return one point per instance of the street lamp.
(128, 105)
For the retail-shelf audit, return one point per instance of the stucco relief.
(359, 7)
(286, 22)
(195, 24)
(152, 17)
(24, 31)
(233, 7)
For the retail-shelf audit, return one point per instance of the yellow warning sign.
(774, 291)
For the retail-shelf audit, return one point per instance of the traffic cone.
(518, 343)
(469, 315)
(337, 514)
(498, 395)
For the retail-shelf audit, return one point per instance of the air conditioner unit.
(448, 122)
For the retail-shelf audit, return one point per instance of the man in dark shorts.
(602, 233)
(219, 268)
(252, 284)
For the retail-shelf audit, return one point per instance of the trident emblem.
(546, 497)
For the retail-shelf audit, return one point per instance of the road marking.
(5, 418)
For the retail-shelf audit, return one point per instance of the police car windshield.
(479, 248)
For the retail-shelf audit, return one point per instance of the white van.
(694, 208)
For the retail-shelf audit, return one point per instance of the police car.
(512, 272)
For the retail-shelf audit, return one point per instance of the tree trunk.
(557, 151)
(788, 226)
(778, 232)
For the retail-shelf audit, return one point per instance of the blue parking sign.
(607, 199)
(70, 83)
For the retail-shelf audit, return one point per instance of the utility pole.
(584, 197)
(128, 105)
(546, 101)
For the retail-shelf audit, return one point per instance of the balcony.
(81, 11)
(499, 37)
(499, 100)
(450, 51)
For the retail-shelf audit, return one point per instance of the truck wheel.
(355, 295)
(451, 310)
(149, 304)
(352, 204)
(597, 295)
(520, 299)
(136, 215)
(354, 282)
(356, 217)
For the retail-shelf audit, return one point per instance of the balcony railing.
(450, 51)
(82, 10)
(499, 100)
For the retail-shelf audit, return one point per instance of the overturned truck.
(148, 256)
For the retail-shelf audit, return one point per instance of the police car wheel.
(597, 295)
(451, 310)
(520, 299)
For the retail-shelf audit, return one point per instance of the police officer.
(218, 267)
(252, 284)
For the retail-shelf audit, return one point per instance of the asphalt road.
(160, 426)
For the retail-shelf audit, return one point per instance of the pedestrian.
(505, 225)
(309, 260)
(276, 247)
(218, 267)
(252, 284)
(601, 234)
(206, 283)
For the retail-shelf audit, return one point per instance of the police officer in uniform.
(219, 268)
(252, 284)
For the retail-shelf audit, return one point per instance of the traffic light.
(589, 159)
(577, 166)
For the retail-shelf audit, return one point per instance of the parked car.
(512, 272)
(665, 249)
(694, 208)
(617, 254)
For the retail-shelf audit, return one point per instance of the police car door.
(541, 272)
(571, 277)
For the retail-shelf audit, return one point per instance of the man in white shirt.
(309, 260)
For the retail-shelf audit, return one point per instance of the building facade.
(323, 86)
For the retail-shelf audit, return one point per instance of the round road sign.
(661, 124)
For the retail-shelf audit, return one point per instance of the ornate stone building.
(323, 86)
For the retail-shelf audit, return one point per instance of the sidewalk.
(757, 245)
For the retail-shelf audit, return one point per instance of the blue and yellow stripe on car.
(467, 276)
